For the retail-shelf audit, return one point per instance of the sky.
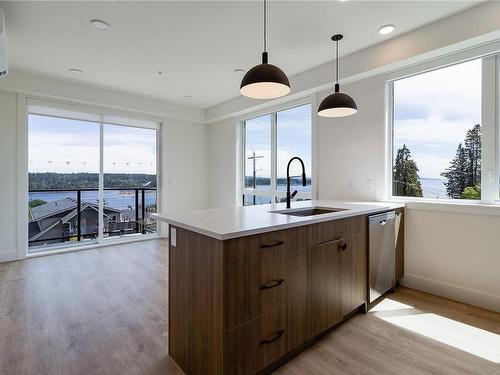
(293, 139)
(433, 111)
(67, 146)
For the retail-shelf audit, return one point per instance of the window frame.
(490, 140)
(101, 113)
(273, 193)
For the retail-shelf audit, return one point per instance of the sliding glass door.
(91, 177)
(129, 179)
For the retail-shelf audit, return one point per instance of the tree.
(36, 202)
(464, 173)
(471, 192)
(406, 181)
(473, 149)
(457, 173)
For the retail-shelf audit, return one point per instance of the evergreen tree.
(464, 172)
(473, 149)
(457, 173)
(406, 182)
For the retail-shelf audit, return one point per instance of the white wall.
(185, 165)
(8, 173)
(351, 152)
(184, 146)
(453, 254)
(223, 162)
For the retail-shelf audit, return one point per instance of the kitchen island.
(249, 287)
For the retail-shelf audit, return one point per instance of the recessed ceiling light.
(187, 97)
(76, 71)
(100, 24)
(239, 73)
(386, 29)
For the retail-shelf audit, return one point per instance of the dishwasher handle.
(382, 219)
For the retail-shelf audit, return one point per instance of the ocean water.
(112, 198)
(433, 187)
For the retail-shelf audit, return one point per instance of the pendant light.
(265, 81)
(337, 104)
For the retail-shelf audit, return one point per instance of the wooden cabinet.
(266, 312)
(252, 347)
(336, 271)
(251, 249)
(324, 269)
(255, 290)
(239, 305)
(354, 262)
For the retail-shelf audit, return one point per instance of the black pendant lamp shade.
(337, 104)
(265, 81)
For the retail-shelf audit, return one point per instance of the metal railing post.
(143, 212)
(137, 210)
(78, 214)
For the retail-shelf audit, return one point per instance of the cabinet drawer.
(252, 347)
(333, 230)
(251, 249)
(254, 290)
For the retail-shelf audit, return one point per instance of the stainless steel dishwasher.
(382, 253)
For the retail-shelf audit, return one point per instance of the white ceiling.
(196, 45)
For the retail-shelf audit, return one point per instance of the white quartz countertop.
(226, 223)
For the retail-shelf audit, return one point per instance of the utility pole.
(254, 159)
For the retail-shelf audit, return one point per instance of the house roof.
(65, 206)
(61, 205)
(53, 207)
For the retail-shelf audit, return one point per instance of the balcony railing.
(66, 215)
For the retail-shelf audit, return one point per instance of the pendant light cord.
(337, 63)
(265, 25)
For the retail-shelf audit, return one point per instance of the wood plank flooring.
(375, 344)
(90, 312)
(104, 312)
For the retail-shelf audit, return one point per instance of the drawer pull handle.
(272, 284)
(279, 243)
(343, 247)
(273, 338)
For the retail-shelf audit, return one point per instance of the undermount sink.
(309, 211)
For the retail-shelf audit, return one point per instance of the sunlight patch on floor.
(389, 304)
(462, 336)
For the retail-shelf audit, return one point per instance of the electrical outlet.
(173, 237)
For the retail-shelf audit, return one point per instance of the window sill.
(463, 207)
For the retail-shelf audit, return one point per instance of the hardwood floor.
(104, 312)
(91, 312)
(393, 338)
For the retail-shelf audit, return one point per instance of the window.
(436, 143)
(90, 176)
(270, 141)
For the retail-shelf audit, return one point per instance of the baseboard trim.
(8, 256)
(452, 291)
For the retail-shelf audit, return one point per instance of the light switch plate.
(173, 237)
